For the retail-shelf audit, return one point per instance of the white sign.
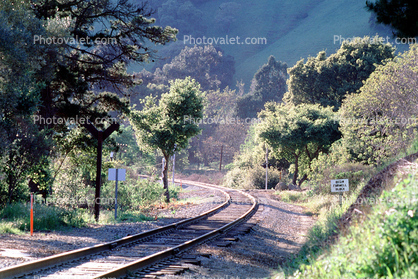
(339, 185)
(121, 174)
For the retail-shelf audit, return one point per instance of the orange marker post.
(31, 214)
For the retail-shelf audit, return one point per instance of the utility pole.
(100, 136)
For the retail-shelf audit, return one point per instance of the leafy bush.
(134, 196)
(380, 121)
(336, 165)
(252, 178)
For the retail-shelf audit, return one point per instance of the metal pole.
(267, 164)
(116, 195)
(174, 165)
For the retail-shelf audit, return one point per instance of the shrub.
(136, 195)
(336, 165)
(252, 178)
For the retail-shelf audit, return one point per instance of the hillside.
(293, 29)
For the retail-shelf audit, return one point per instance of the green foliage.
(326, 80)
(128, 151)
(45, 217)
(399, 14)
(380, 121)
(23, 146)
(269, 84)
(298, 133)
(170, 124)
(137, 195)
(336, 164)
(251, 178)
(383, 246)
(209, 66)
(165, 125)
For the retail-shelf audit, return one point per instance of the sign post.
(117, 175)
(339, 186)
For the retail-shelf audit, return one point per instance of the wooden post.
(100, 136)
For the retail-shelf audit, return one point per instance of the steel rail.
(154, 258)
(51, 261)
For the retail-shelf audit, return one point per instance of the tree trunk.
(302, 180)
(295, 175)
(165, 179)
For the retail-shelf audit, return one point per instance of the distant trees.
(169, 123)
(269, 84)
(401, 15)
(210, 67)
(182, 15)
(226, 15)
(298, 134)
(381, 120)
(326, 80)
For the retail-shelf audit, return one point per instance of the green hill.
(293, 29)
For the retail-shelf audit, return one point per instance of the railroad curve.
(123, 256)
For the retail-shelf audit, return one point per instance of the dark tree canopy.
(401, 15)
(269, 84)
(81, 78)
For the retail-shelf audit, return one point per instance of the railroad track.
(121, 257)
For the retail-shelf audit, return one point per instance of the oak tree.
(169, 123)
(298, 134)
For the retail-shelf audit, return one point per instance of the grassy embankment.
(379, 240)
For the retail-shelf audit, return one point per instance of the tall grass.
(17, 217)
